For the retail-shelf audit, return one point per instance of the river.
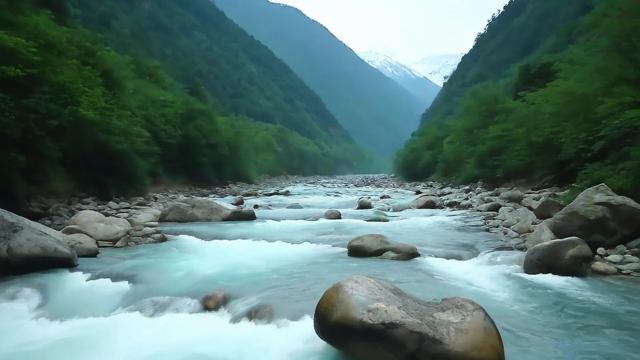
(142, 302)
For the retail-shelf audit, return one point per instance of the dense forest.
(113, 96)
(550, 91)
(378, 112)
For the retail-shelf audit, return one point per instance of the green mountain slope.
(549, 91)
(379, 113)
(158, 95)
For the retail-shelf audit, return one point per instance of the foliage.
(568, 108)
(76, 115)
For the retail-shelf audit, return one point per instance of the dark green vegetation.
(379, 113)
(551, 90)
(112, 96)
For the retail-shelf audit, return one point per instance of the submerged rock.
(202, 209)
(374, 320)
(26, 246)
(215, 301)
(565, 257)
(238, 201)
(374, 245)
(164, 305)
(332, 215)
(600, 217)
(259, 314)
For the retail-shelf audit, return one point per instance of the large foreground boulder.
(565, 257)
(97, 226)
(600, 217)
(370, 319)
(374, 245)
(26, 246)
(201, 209)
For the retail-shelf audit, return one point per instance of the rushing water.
(141, 303)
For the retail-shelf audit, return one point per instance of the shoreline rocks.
(203, 210)
(374, 320)
(565, 257)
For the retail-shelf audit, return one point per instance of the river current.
(143, 302)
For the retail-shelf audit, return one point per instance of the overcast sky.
(407, 30)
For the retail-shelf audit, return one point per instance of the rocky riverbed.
(252, 262)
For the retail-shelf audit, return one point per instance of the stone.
(27, 246)
(426, 202)
(202, 210)
(145, 215)
(618, 250)
(378, 216)
(524, 219)
(513, 196)
(490, 207)
(600, 217)
(97, 226)
(385, 197)
(83, 245)
(238, 201)
(630, 259)
(364, 204)
(374, 320)
(215, 301)
(259, 314)
(547, 208)
(374, 245)
(602, 268)
(564, 257)
(616, 259)
(635, 244)
(295, 207)
(601, 251)
(333, 215)
(541, 234)
(629, 267)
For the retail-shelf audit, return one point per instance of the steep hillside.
(376, 111)
(549, 91)
(420, 86)
(176, 101)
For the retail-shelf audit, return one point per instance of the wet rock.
(238, 201)
(426, 202)
(215, 301)
(602, 268)
(97, 226)
(259, 314)
(565, 257)
(629, 267)
(364, 204)
(513, 196)
(295, 207)
(490, 207)
(333, 215)
(202, 209)
(378, 216)
(385, 197)
(26, 246)
(600, 217)
(83, 245)
(374, 245)
(374, 320)
(548, 208)
(163, 305)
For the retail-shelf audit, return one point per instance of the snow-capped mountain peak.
(388, 66)
(438, 68)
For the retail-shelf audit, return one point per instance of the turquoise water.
(141, 303)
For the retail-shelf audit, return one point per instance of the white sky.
(407, 30)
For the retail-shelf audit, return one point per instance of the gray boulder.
(513, 196)
(332, 215)
(97, 226)
(541, 234)
(490, 207)
(600, 217)
(201, 210)
(565, 257)
(83, 245)
(364, 204)
(144, 215)
(548, 208)
(602, 268)
(426, 202)
(26, 246)
(374, 320)
(215, 301)
(374, 245)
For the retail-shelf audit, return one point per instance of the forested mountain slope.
(167, 90)
(549, 91)
(376, 111)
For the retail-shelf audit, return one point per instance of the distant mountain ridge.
(377, 112)
(438, 68)
(419, 85)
